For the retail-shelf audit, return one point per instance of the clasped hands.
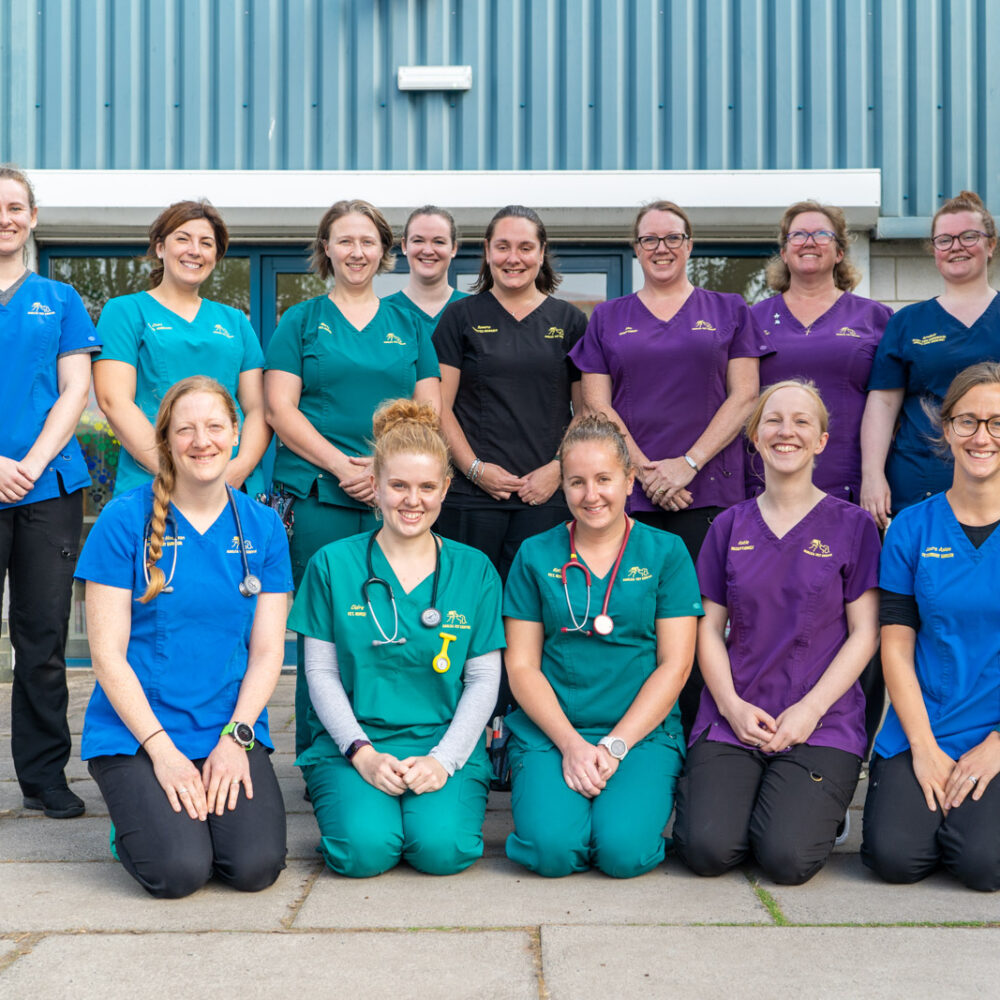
(587, 768)
(665, 482)
(393, 776)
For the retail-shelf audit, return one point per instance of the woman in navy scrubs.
(932, 798)
(46, 339)
(187, 586)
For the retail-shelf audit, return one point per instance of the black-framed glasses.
(969, 238)
(966, 424)
(673, 241)
(800, 237)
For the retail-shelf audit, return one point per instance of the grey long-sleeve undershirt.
(480, 678)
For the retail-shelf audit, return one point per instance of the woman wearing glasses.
(924, 347)
(932, 799)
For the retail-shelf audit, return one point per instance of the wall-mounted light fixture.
(434, 77)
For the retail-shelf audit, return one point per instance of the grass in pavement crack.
(769, 902)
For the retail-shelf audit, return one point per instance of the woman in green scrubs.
(402, 645)
(156, 338)
(600, 617)
(330, 363)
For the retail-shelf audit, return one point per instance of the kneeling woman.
(186, 618)
(780, 732)
(402, 653)
(600, 617)
(933, 798)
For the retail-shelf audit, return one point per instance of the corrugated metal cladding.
(906, 85)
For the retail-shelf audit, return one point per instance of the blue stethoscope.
(603, 623)
(249, 586)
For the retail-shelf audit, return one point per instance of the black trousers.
(39, 544)
(785, 808)
(904, 841)
(171, 855)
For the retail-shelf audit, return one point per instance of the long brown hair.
(172, 218)
(548, 278)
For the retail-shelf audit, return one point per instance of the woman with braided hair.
(186, 615)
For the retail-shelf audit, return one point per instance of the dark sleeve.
(447, 337)
(898, 609)
(576, 326)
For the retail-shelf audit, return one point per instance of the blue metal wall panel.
(909, 86)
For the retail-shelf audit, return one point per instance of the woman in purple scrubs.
(779, 736)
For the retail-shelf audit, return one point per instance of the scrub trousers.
(39, 543)
(171, 855)
(364, 831)
(904, 841)
(317, 524)
(784, 808)
(558, 831)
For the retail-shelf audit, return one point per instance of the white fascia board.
(287, 204)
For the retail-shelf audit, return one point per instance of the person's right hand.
(380, 770)
(355, 478)
(179, 779)
(752, 725)
(932, 769)
(16, 480)
(498, 482)
(876, 498)
(582, 765)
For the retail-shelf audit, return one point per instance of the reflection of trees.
(743, 275)
(296, 288)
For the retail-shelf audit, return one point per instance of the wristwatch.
(242, 733)
(355, 747)
(615, 746)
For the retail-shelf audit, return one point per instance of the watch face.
(617, 748)
(243, 733)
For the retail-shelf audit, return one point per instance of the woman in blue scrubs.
(932, 798)
(153, 339)
(46, 340)
(600, 615)
(187, 589)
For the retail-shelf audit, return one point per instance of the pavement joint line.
(296, 904)
(535, 950)
(768, 901)
(25, 944)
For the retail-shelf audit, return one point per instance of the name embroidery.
(453, 619)
(40, 309)
(391, 338)
(222, 331)
(555, 333)
(484, 328)
(937, 552)
(628, 329)
(931, 338)
(818, 549)
(170, 541)
(357, 611)
(703, 324)
(637, 573)
(743, 545)
(555, 572)
(157, 327)
(846, 331)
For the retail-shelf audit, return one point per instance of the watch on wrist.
(615, 746)
(242, 734)
(355, 747)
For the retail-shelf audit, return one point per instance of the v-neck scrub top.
(596, 678)
(189, 648)
(163, 347)
(345, 374)
(395, 693)
(923, 349)
(836, 351)
(668, 379)
(43, 321)
(786, 599)
(957, 654)
(427, 323)
(513, 399)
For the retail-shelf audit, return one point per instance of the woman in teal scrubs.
(154, 339)
(429, 244)
(601, 617)
(330, 363)
(403, 639)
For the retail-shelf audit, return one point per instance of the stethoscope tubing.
(574, 563)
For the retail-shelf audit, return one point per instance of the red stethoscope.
(603, 623)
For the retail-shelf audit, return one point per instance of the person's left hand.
(226, 768)
(423, 774)
(982, 762)
(540, 484)
(606, 764)
(664, 479)
(795, 725)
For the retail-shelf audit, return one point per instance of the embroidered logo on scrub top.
(391, 338)
(234, 547)
(818, 549)
(40, 309)
(637, 573)
(628, 329)
(846, 331)
(324, 327)
(484, 328)
(937, 552)
(222, 331)
(743, 545)
(703, 324)
(931, 338)
(453, 619)
(555, 333)
(357, 611)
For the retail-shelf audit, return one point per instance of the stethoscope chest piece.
(430, 617)
(603, 625)
(250, 587)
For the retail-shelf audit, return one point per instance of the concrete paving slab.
(846, 892)
(376, 966)
(494, 892)
(705, 963)
(101, 896)
(303, 836)
(35, 838)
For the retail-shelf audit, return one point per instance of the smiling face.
(189, 254)
(662, 266)
(201, 437)
(959, 264)
(595, 484)
(428, 247)
(514, 254)
(17, 218)
(978, 456)
(789, 435)
(354, 249)
(811, 258)
(409, 491)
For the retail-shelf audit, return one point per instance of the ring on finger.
(182, 791)
(973, 779)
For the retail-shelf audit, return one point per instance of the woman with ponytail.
(187, 584)
(402, 657)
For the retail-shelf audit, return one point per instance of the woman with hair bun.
(187, 590)
(402, 655)
(924, 347)
(156, 338)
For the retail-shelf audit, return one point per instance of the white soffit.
(287, 204)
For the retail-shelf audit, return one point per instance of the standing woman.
(154, 339)
(819, 330)
(402, 646)
(187, 592)
(508, 391)
(933, 798)
(46, 339)
(429, 244)
(597, 652)
(779, 737)
(924, 347)
(332, 360)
